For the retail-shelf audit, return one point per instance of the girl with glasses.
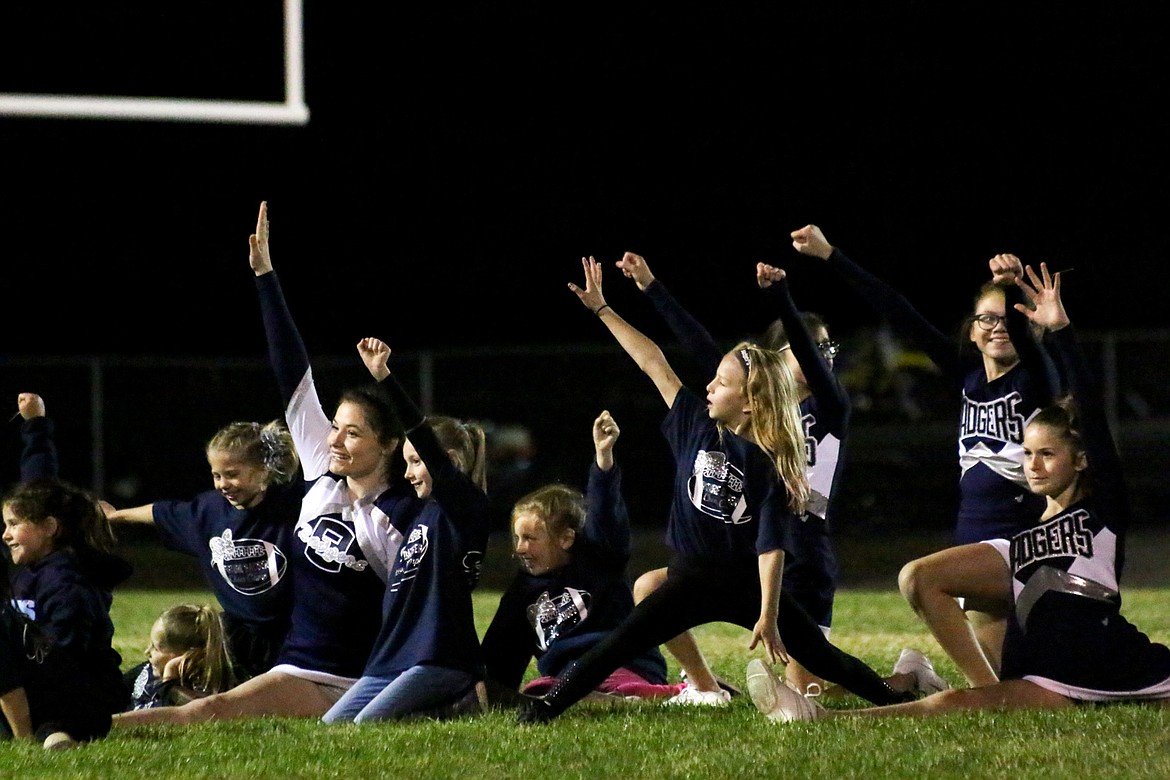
(1004, 386)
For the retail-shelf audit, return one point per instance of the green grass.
(646, 739)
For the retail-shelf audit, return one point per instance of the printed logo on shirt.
(249, 566)
(553, 616)
(810, 442)
(327, 543)
(472, 566)
(716, 488)
(410, 556)
(26, 607)
(1065, 536)
(996, 419)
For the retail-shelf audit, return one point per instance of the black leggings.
(697, 593)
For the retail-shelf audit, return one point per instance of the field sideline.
(646, 740)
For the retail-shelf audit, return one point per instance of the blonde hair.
(774, 424)
(559, 506)
(270, 445)
(467, 443)
(196, 633)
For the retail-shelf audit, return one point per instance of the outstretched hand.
(809, 240)
(376, 355)
(258, 255)
(635, 267)
(767, 633)
(768, 275)
(1005, 269)
(1043, 293)
(591, 296)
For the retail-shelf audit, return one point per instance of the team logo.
(249, 566)
(472, 566)
(554, 616)
(997, 420)
(411, 555)
(716, 488)
(327, 543)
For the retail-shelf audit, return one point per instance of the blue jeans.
(417, 689)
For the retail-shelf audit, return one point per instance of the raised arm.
(306, 421)
(38, 455)
(607, 520)
(1006, 271)
(644, 352)
(686, 329)
(810, 241)
(822, 383)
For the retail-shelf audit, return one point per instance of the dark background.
(461, 158)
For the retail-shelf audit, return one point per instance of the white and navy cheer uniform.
(243, 556)
(811, 569)
(994, 499)
(342, 546)
(558, 615)
(1066, 633)
(427, 616)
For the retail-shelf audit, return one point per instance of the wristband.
(601, 308)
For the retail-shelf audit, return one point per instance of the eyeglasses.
(828, 349)
(989, 321)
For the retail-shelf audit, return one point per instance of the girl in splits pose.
(810, 571)
(739, 486)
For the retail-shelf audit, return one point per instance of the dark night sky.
(460, 159)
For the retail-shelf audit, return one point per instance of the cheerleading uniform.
(427, 653)
(1066, 633)
(557, 616)
(994, 500)
(811, 570)
(342, 546)
(243, 555)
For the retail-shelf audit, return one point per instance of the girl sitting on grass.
(187, 658)
(1067, 641)
(60, 677)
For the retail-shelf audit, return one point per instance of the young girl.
(241, 534)
(810, 571)
(346, 537)
(572, 588)
(427, 656)
(1002, 389)
(187, 658)
(739, 486)
(1067, 641)
(60, 540)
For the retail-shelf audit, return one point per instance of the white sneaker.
(693, 697)
(775, 698)
(926, 679)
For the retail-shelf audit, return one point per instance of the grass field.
(646, 739)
